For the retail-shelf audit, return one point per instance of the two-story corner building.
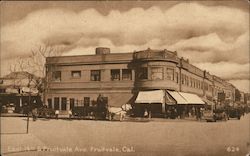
(125, 78)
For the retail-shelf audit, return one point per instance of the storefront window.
(86, 101)
(64, 103)
(72, 103)
(157, 73)
(50, 103)
(56, 103)
(170, 74)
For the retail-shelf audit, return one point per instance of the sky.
(213, 35)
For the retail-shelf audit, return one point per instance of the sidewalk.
(12, 115)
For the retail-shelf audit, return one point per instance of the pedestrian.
(57, 114)
(193, 111)
(34, 114)
(198, 114)
(70, 114)
(145, 113)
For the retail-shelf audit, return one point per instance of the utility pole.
(29, 105)
(28, 116)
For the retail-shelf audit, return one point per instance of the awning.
(179, 99)
(208, 102)
(154, 96)
(191, 98)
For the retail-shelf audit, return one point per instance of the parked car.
(209, 115)
(214, 115)
(234, 113)
(10, 108)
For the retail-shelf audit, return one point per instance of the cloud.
(226, 70)
(204, 34)
(242, 85)
(237, 74)
(211, 48)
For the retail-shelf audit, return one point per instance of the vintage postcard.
(129, 78)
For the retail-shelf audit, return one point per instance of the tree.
(35, 64)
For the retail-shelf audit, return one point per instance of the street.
(157, 137)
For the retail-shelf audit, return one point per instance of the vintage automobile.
(234, 113)
(9, 108)
(214, 115)
(46, 112)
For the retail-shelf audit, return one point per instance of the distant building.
(16, 87)
(120, 77)
(247, 99)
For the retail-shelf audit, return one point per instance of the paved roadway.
(157, 137)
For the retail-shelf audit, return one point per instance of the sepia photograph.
(125, 78)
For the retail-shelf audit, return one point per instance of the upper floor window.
(157, 73)
(56, 76)
(177, 77)
(95, 75)
(187, 81)
(182, 78)
(142, 73)
(115, 74)
(126, 74)
(170, 74)
(76, 74)
(206, 86)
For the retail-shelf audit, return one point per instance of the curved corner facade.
(78, 80)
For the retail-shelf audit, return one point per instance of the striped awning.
(178, 98)
(154, 96)
(186, 98)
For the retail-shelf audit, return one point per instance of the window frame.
(86, 101)
(54, 76)
(142, 73)
(49, 100)
(56, 99)
(115, 74)
(71, 103)
(76, 71)
(129, 74)
(172, 73)
(64, 103)
(157, 72)
(93, 75)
